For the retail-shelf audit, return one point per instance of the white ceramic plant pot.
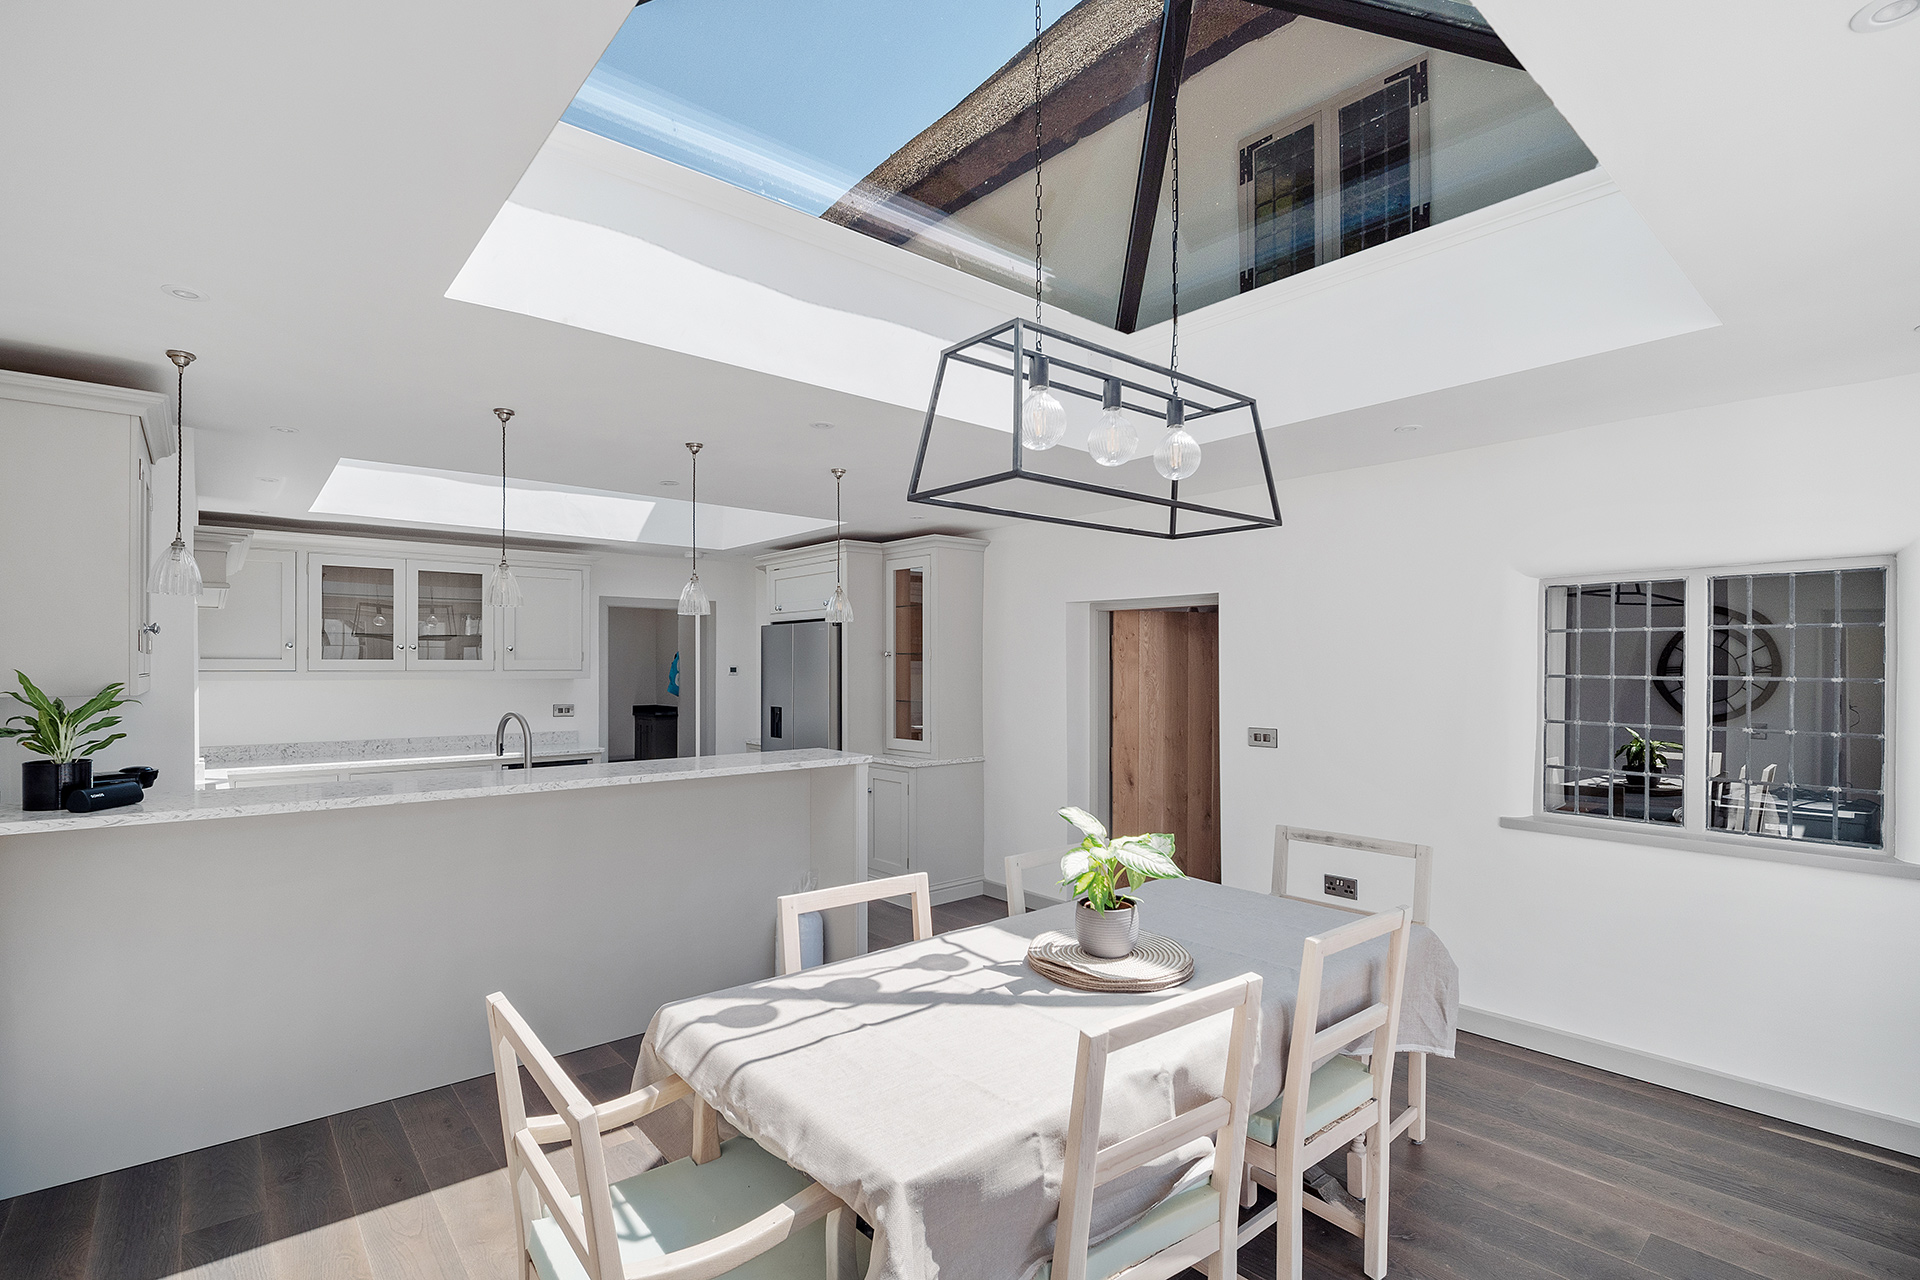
(1107, 934)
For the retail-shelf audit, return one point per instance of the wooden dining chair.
(913, 886)
(1414, 1119)
(1321, 1110)
(1194, 1226)
(1016, 868)
(729, 1205)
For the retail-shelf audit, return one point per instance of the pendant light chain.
(1173, 359)
(1038, 240)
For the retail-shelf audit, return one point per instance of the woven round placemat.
(1156, 964)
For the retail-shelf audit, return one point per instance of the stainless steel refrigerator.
(799, 685)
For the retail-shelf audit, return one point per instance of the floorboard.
(1535, 1169)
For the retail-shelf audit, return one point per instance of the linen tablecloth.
(928, 1085)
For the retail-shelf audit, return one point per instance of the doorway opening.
(1163, 728)
(651, 680)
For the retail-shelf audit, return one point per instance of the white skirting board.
(957, 891)
(1891, 1132)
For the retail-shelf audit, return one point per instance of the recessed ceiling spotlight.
(286, 431)
(185, 293)
(1882, 14)
(828, 426)
(268, 479)
(669, 484)
(1412, 427)
(916, 517)
(258, 511)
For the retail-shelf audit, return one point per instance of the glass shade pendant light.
(176, 572)
(839, 608)
(693, 596)
(1114, 439)
(503, 589)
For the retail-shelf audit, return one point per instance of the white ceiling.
(323, 174)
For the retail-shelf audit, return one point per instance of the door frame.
(1090, 693)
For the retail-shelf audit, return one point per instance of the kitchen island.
(197, 968)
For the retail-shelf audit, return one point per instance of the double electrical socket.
(562, 709)
(1341, 887)
(1263, 738)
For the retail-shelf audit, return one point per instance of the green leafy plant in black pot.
(1644, 755)
(62, 735)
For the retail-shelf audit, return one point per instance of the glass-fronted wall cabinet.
(906, 652)
(451, 627)
(354, 615)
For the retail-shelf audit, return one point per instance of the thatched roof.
(1096, 66)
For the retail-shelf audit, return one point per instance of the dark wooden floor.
(1534, 1168)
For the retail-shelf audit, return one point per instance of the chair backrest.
(588, 1224)
(1379, 1021)
(792, 906)
(1016, 868)
(1284, 838)
(1223, 1117)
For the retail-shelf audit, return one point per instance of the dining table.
(928, 1084)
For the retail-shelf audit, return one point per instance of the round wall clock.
(1747, 665)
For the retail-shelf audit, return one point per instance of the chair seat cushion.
(672, 1206)
(1166, 1224)
(1337, 1087)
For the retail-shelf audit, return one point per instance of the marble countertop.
(921, 762)
(237, 773)
(411, 788)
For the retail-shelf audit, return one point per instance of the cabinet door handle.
(509, 648)
(289, 644)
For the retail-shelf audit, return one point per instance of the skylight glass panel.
(914, 124)
(471, 500)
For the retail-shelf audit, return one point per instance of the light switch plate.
(562, 709)
(1263, 738)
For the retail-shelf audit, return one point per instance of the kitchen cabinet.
(802, 590)
(451, 627)
(256, 629)
(76, 519)
(354, 612)
(934, 654)
(548, 631)
(928, 816)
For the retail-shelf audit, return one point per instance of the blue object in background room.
(673, 677)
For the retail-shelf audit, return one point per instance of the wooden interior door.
(1165, 755)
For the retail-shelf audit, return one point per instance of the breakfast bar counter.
(197, 968)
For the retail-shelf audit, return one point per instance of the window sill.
(1877, 864)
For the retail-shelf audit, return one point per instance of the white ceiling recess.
(603, 237)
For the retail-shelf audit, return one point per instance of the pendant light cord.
(503, 491)
(180, 450)
(1038, 339)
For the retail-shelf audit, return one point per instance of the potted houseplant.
(1644, 755)
(60, 734)
(1106, 920)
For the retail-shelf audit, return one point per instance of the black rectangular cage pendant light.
(1123, 386)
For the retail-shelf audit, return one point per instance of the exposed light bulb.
(1043, 419)
(503, 589)
(693, 598)
(175, 573)
(1114, 439)
(1179, 454)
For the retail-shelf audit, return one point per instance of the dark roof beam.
(1168, 65)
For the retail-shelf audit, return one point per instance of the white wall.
(1388, 630)
(251, 707)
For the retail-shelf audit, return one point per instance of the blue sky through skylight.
(795, 99)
